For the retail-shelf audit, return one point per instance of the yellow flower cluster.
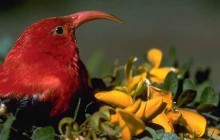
(157, 73)
(132, 113)
(191, 120)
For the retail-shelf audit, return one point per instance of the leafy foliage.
(136, 95)
(45, 133)
(5, 130)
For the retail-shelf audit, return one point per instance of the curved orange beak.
(86, 16)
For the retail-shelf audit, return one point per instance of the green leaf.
(200, 88)
(128, 67)
(110, 131)
(139, 89)
(171, 59)
(143, 68)
(209, 99)
(209, 96)
(186, 97)
(121, 88)
(44, 133)
(152, 132)
(67, 121)
(188, 84)
(106, 110)
(184, 69)
(4, 135)
(96, 119)
(167, 136)
(77, 109)
(171, 82)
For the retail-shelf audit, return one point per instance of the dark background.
(192, 27)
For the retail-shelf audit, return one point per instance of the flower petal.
(154, 107)
(134, 107)
(158, 75)
(193, 122)
(213, 130)
(154, 92)
(135, 80)
(155, 56)
(114, 97)
(162, 120)
(130, 122)
(173, 116)
(141, 110)
(114, 118)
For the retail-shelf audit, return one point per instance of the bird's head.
(54, 37)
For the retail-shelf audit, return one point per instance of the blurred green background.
(192, 27)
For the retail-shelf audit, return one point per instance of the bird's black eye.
(59, 30)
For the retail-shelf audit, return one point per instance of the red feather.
(44, 62)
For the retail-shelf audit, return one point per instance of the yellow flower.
(131, 115)
(131, 125)
(162, 120)
(134, 81)
(157, 74)
(174, 116)
(154, 92)
(213, 130)
(150, 109)
(114, 97)
(191, 120)
(145, 110)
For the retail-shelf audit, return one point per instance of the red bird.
(44, 63)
